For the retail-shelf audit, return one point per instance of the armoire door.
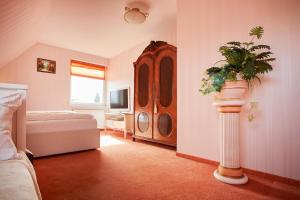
(165, 104)
(143, 97)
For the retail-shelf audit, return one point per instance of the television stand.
(119, 121)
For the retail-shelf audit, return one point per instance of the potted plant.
(243, 63)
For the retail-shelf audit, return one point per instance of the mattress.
(55, 115)
(39, 127)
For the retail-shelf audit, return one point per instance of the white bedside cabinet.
(119, 121)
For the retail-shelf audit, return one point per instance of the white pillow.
(8, 104)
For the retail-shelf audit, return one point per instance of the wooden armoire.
(155, 94)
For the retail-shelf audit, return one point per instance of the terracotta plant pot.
(233, 90)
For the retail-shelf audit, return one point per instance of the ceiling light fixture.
(134, 15)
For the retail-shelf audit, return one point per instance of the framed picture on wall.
(47, 66)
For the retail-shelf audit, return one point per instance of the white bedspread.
(18, 180)
(55, 115)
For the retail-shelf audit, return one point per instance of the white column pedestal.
(229, 170)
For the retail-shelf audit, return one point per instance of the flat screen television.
(119, 99)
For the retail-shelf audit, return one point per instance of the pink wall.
(46, 91)
(271, 142)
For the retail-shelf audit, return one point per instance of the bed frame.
(59, 142)
(50, 143)
(19, 117)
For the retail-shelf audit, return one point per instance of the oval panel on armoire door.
(143, 97)
(165, 103)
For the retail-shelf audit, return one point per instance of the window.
(87, 83)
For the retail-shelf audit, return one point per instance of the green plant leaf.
(234, 43)
(268, 60)
(234, 55)
(241, 59)
(264, 55)
(257, 31)
(262, 67)
(218, 81)
(258, 47)
(248, 71)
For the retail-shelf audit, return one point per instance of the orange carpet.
(123, 169)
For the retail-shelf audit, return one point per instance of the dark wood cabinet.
(155, 94)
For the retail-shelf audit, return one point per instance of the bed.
(17, 176)
(57, 132)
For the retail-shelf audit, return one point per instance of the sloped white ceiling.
(21, 23)
(91, 26)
